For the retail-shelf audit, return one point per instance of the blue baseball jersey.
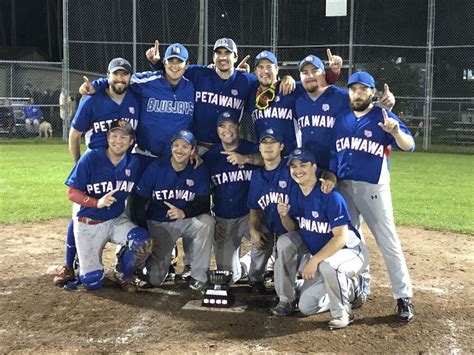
(164, 109)
(316, 121)
(267, 188)
(32, 112)
(160, 182)
(215, 95)
(280, 114)
(95, 175)
(96, 112)
(230, 183)
(361, 148)
(317, 214)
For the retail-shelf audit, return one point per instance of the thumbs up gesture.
(107, 200)
(174, 212)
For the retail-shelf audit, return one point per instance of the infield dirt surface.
(39, 317)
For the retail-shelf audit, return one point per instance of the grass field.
(433, 191)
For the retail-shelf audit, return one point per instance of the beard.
(360, 105)
(118, 91)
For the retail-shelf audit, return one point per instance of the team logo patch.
(241, 166)
(315, 214)
(189, 182)
(234, 92)
(325, 107)
(277, 98)
(128, 172)
(131, 110)
(367, 133)
(282, 184)
(309, 59)
(176, 50)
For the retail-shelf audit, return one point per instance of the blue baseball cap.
(119, 64)
(177, 50)
(271, 133)
(311, 59)
(361, 77)
(226, 43)
(303, 155)
(265, 55)
(228, 116)
(186, 136)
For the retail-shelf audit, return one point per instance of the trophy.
(218, 294)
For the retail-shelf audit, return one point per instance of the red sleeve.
(331, 77)
(81, 198)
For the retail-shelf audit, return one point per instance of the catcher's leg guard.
(93, 280)
(134, 254)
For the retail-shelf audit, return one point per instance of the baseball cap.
(361, 77)
(228, 116)
(301, 154)
(273, 134)
(186, 136)
(123, 125)
(119, 64)
(311, 59)
(226, 43)
(265, 55)
(177, 50)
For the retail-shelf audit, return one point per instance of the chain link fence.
(424, 50)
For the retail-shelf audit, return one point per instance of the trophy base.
(218, 299)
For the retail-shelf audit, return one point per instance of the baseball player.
(230, 178)
(268, 185)
(323, 241)
(177, 194)
(219, 89)
(99, 185)
(94, 116)
(270, 108)
(363, 137)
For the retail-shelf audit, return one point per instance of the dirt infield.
(36, 316)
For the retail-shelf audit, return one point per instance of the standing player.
(99, 184)
(94, 116)
(363, 138)
(230, 178)
(269, 184)
(179, 204)
(323, 241)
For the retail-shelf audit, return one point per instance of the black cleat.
(405, 310)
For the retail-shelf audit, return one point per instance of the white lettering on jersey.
(100, 188)
(185, 195)
(360, 144)
(231, 176)
(168, 106)
(313, 226)
(103, 126)
(272, 197)
(219, 100)
(282, 113)
(316, 121)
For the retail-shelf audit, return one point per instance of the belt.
(205, 145)
(89, 221)
(148, 151)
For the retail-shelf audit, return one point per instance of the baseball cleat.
(186, 272)
(127, 285)
(197, 285)
(283, 309)
(359, 297)
(341, 322)
(64, 275)
(405, 310)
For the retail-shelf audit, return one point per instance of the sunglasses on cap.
(265, 97)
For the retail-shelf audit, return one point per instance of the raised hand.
(283, 209)
(107, 200)
(153, 53)
(387, 99)
(86, 88)
(389, 125)
(174, 212)
(334, 61)
(243, 65)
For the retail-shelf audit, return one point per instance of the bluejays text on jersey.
(168, 106)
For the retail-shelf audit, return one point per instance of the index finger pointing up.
(329, 54)
(385, 116)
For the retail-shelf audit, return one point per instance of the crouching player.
(322, 243)
(99, 185)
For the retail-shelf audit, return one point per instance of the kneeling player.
(326, 247)
(179, 205)
(99, 184)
